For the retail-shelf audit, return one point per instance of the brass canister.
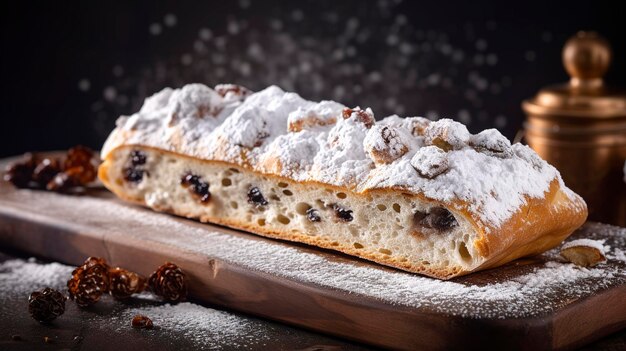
(580, 128)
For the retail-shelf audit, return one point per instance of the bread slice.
(422, 196)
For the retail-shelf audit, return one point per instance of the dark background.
(69, 69)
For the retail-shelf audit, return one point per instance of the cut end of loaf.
(403, 231)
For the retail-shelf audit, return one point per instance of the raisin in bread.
(425, 197)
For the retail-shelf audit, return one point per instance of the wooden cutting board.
(535, 303)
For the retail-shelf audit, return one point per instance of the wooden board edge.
(301, 304)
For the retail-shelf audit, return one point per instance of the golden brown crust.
(541, 224)
(538, 226)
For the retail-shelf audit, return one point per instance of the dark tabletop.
(106, 325)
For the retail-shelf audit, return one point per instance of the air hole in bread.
(274, 197)
(234, 205)
(385, 251)
(425, 263)
(334, 243)
(282, 185)
(234, 170)
(287, 192)
(358, 246)
(464, 252)
(302, 207)
(226, 182)
(381, 207)
(341, 195)
(396, 207)
(282, 219)
(261, 221)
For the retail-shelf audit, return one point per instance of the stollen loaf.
(423, 196)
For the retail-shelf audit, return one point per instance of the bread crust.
(540, 224)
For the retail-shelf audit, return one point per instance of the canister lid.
(586, 57)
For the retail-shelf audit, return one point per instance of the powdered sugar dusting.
(277, 132)
(618, 254)
(314, 115)
(491, 142)
(204, 327)
(430, 161)
(385, 144)
(596, 244)
(19, 276)
(449, 132)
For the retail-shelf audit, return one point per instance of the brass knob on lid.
(586, 57)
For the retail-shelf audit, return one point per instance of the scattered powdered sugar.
(618, 255)
(19, 277)
(280, 133)
(597, 244)
(525, 295)
(206, 328)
